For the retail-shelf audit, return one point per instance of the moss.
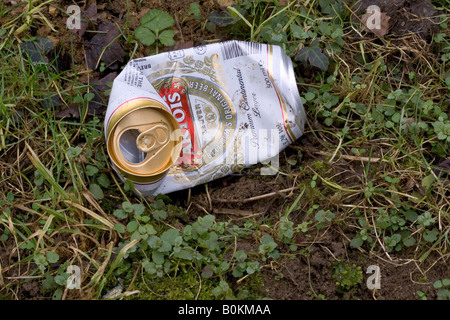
(320, 167)
(251, 287)
(184, 286)
(313, 195)
(187, 285)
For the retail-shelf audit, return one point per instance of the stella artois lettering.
(175, 95)
(205, 116)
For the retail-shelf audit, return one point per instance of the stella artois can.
(186, 117)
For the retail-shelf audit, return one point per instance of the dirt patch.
(311, 276)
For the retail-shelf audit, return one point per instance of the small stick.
(257, 197)
(351, 158)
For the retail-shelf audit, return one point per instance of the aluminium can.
(236, 104)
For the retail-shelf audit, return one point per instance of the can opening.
(145, 141)
(129, 148)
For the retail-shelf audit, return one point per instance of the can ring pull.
(153, 138)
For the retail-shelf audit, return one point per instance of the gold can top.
(145, 141)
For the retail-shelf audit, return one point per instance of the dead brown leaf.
(97, 105)
(87, 16)
(104, 46)
(71, 111)
(225, 3)
(443, 171)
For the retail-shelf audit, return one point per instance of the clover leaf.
(152, 28)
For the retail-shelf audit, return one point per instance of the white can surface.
(232, 104)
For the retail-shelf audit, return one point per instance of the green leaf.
(149, 229)
(323, 216)
(40, 260)
(309, 96)
(298, 32)
(61, 279)
(73, 152)
(91, 170)
(211, 242)
(411, 215)
(206, 221)
(145, 36)
(119, 213)
(159, 214)
(267, 239)
(315, 57)
(274, 254)
(428, 181)
(337, 33)
(165, 246)
(356, 242)
(252, 267)
(170, 236)
(240, 255)
(158, 205)
(409, 242)
(132, 226)
(49, 281)
(430, 235)
(166, 38)
(325, 28)
(426, 219)
(158, 257)
(96, 191)
(148, 266)
(221, 289)
(138, 208)
(10, 197)
(318, 59)
(441, 283)
(194, 8)
(157, 20)
(52, 257)
(396, 117)
(127, 206)
(119, 228)
(89, 96)
(103, 180)
(38, 178)
(57, 295)
(184, 253)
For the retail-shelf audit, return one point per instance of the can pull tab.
(153, 138)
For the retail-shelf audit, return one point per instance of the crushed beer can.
(182, 118)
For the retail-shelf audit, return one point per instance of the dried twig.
(263, 196)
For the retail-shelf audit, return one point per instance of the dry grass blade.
(47, 174)
(91, 213)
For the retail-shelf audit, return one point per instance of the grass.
(366, 170)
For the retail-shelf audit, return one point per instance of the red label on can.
(176, 97)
